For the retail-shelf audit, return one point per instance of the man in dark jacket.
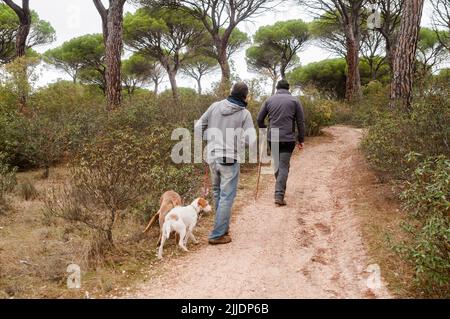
(285, 112)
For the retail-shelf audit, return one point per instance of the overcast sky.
(73, 18)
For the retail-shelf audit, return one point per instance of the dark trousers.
(281, 161)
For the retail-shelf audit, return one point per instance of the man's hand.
(300, 146)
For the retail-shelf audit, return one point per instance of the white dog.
(183, 221)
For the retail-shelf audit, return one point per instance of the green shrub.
(143, 114)
(7, 98)
(373, 88)
(185, 112)
(121, 172)
(7, 179)
(429, 188)
(183, 93)
(372, 106)
(65, 97)
(74, 113)
(107, 176)
(19, 78)
(13, 134)
(140, 115)
(427, 197)
(365, 111)
(65, 117)
(384, 145)
(329, 76)
(154, 120)
(425, 130)
(318, 113)
(342, 114)
(37, 141)
(393, 142)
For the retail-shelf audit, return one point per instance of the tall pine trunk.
(23, 84)
(274, 85)
(21, 50)
(283, 71)
(155, 90)
(404, 56)
(112, 25)
(389, 55)
(353, 85)
(348, 14)
(113, 55)
(199, 86)
(225, 82)
(22, 36)
(104, 15)
(24, 15)
(173, 82)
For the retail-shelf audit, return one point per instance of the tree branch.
(101, 8)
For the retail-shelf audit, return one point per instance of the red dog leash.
(206, 181)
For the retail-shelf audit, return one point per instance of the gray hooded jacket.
(227, 127)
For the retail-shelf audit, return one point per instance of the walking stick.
(259, 177)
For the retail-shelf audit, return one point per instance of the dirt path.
(310, 249)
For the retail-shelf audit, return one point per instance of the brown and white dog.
(168, 201)
(183, 221)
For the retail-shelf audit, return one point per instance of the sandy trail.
(310, 249)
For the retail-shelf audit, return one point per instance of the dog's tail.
(151, 222)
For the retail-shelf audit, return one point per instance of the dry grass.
(27, 191)
(381, 217)
(35, 250)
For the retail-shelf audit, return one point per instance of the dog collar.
(195, 208)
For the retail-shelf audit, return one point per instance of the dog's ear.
(202, 202)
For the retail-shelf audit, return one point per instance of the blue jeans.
(224, 180)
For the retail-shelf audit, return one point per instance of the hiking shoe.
(280, 202)
(225, 239)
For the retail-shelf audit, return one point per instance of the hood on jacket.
(229, 108)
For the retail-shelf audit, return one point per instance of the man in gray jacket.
(226, 125)
(285, 113)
